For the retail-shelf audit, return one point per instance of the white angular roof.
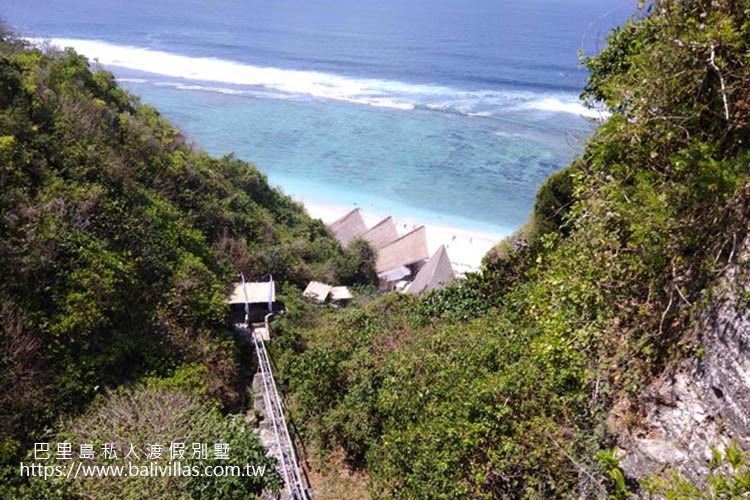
(317, 291)
(340, 293)
(257, 293)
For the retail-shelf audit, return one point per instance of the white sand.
(465, 248)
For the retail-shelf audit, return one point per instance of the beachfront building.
(261, 298)
(381, 234)
(349, 227)
(402, 258)
(437, 273)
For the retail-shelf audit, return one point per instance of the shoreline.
(465, 248)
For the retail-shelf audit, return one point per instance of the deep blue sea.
(445, 111)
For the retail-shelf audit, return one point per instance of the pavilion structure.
(400, 257)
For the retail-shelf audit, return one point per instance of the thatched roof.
(257, 293)
(408, 249)
(349, 227)
(340, 293)
(437, 273)
(317, 291)
(381, 234)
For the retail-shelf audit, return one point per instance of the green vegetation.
(118, 244)
(357, 265)
(499, 386)
(137, 416)
(729, 478)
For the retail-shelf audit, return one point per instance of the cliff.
(702, 403)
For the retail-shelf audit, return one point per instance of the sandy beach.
(465, 248)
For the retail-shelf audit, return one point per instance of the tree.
(357, 265)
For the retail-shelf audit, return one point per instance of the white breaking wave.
(365, 91)
(283, 83)
(185, 86)
(554, 105)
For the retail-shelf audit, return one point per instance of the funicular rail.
(288, 465)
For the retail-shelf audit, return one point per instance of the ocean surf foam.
(555, 105)
(282, 83)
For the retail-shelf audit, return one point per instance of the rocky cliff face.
(705, 402)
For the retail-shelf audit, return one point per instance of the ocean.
(450, 112)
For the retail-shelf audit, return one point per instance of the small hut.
(320, 293)
(317, 292)
(260, 297)
(340, 295)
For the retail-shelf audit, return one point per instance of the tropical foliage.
(118, 244)
(499, 386)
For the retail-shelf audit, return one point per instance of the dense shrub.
(137, 417)
(498, 387)
(553, 200)
(118, 243)
(357, 265)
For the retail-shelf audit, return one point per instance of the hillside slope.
(118, 244)
(522, 382)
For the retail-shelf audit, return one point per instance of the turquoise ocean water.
(444, 111)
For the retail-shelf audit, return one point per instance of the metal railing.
(289, 466)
